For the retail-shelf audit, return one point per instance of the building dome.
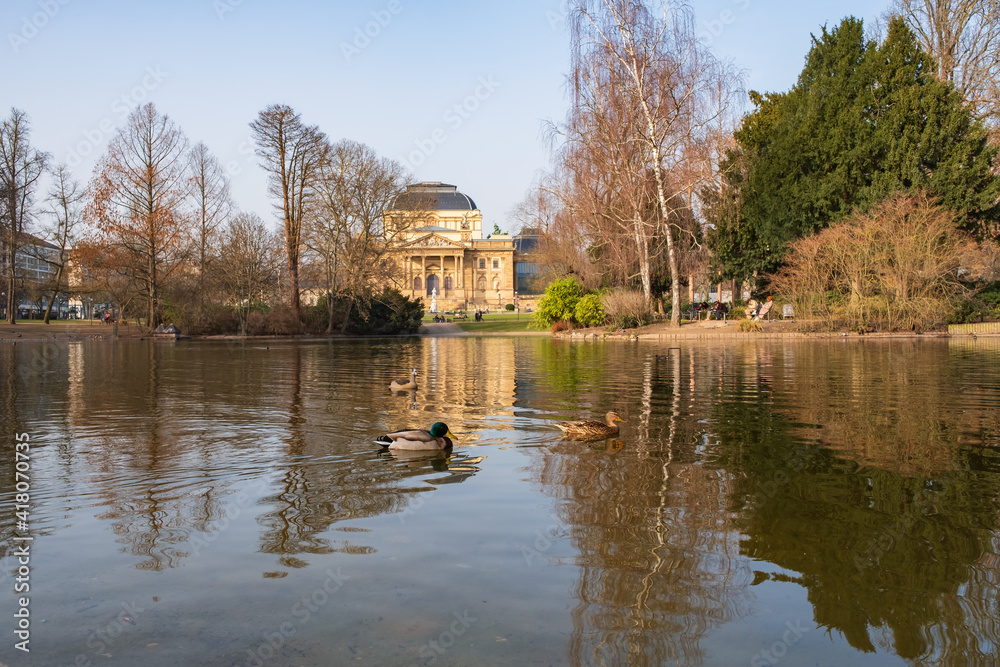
(433, 196)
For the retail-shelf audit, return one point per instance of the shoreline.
(35, 331)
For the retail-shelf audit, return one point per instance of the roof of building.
(526, 243)
(527, 239)
(430, 228)
(32, 240)
(433, 196)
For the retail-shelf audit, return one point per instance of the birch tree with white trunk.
(672, 91)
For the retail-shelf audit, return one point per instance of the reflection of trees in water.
(889, 559)
(313, 491)
(11, 422)
(169, 439)
(657, 559)
(169, 495)
(904, 405)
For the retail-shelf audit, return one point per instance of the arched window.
(447, 282)
(482, 285)
(417, 284)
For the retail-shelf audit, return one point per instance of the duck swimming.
(593, 429)
(439, 437)
(403, 385)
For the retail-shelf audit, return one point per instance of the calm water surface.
(797, 503)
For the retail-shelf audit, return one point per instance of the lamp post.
(517, 306)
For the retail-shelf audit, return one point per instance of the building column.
(423, 278)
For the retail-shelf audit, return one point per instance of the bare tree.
(610, 183)
(347, 228)
(209, 188)
(963, 36)
(64, 196)
(548, 208)
(247, 265)
(671, 92)
(291, 153)
(136, 202)
(20, 168)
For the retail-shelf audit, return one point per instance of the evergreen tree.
(863, 121)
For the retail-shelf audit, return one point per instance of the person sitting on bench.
(764, 309)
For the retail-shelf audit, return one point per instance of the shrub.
(990, 298)
(589, 311)
(559, 301)
(894, 267)
(391, 313)
(626, 309)
(278, 321)
(561, 325)
(750, 326)
(509, 307)
(388, 313)
(214, 320)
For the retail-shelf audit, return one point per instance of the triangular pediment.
(433, 241)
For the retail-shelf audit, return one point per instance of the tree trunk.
(347, 317)
(642, 244)
(329, 313)
(11, 309)
(293, 284)
(657, 159)
(153, 296)
(55, 291)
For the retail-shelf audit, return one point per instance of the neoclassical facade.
(442, 252)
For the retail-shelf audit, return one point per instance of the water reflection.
(855, 478)
(659, 569)
(457, 466)
(864, 477)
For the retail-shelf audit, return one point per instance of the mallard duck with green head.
(439, 437)
(403, 385)
(593, 429)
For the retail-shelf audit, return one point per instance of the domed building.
(437, 235)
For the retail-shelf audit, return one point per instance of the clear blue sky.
(76, 66)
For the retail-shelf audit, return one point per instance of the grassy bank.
(493, 323)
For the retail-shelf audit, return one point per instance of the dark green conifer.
(863, 121)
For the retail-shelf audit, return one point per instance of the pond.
(820, 502)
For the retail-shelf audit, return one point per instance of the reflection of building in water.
(482, 376)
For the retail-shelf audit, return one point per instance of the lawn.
(494, 323)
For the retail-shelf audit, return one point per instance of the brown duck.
(403, 385)
(593, 429)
